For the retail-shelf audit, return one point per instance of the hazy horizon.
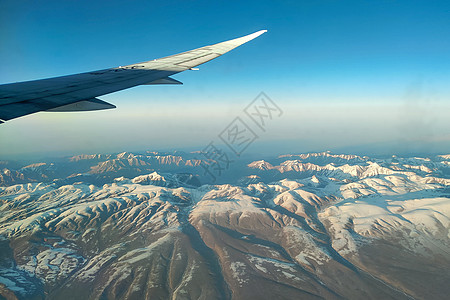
(378, 129)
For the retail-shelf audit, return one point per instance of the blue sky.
(348, 74)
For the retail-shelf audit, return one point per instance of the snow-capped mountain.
(152, 225)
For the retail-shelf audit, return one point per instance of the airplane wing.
(78, 92)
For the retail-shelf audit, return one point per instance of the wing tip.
(252, 36)
(258, 33)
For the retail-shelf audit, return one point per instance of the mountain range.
(158, 226)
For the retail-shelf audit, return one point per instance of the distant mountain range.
(159, 226)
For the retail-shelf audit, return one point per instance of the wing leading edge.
(78, 92)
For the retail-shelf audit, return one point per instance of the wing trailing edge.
(166, 80)
(85, 105)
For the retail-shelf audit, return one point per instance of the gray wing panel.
(20, 99)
